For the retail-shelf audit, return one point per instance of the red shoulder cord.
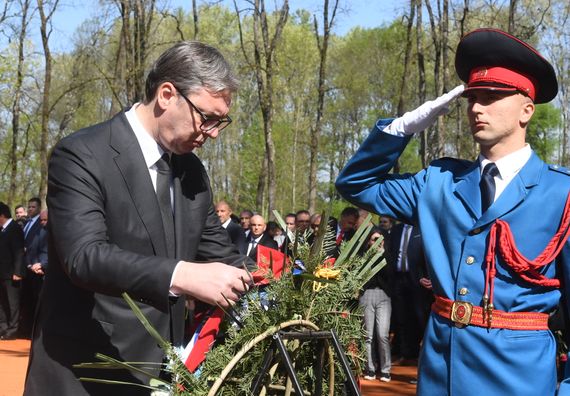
(527, 269)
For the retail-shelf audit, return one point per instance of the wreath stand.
(277, 346)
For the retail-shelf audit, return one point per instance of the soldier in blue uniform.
(495, 228)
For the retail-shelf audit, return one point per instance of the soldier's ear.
(527, 110)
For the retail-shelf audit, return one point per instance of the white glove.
(421, 118)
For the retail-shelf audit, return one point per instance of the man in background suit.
(20, 215)
(404, 250)
(11, 269)
(234, 230)
(131, 211)
(35, 242)
(346, 226)
(258, 236)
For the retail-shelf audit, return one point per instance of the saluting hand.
(424, 116)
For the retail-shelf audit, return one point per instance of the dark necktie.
(252, 245)
(163, 181)
(488, 185)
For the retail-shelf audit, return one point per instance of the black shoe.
(7, 336)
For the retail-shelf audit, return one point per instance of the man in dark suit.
(11, 268)
(234, 230)
(258, 236)
(403, 251)
(131, 211)
(20, 215)
(35, 242)
(346, 225)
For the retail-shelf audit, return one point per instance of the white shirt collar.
(226, 223)
(6, 224)
(510, 164)
(150, 148)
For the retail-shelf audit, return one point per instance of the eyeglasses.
(208, 123)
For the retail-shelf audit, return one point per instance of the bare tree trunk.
(16, 104)
(512, 13)
(316, 130)
(261, 183)
(421, 78)
(407, 53)
(127, 45)
(195, 19)
(436, 136)
(263, 65)
(45, 32)
(143, 18)
(401, 107)
(135, 43)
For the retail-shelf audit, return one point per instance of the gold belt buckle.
(461, 312)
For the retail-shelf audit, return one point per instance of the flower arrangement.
(313, 293)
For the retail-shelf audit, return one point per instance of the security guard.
(496, 227)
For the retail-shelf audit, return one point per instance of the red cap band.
(480, 77)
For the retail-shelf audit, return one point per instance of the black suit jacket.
(106, 237)
(415, 252)
(36, 245)
(265, 240)
(237, 236)
(11, 251)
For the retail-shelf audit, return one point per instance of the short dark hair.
(290, 215)
(350, 211)
(247, 211)
(5, 210)
(189, 66)
(303, 211)
(36, 200)
(18, 207)
(271, 226)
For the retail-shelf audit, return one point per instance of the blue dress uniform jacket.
(444, 202)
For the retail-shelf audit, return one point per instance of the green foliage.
(410, 160)
(364, 78)
(541, 131)
(324, 296)
(331, 306)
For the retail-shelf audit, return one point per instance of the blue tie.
(488, 185)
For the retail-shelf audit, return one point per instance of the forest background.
(308, 95)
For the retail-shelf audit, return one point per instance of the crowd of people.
(395, 303)
(23, 263)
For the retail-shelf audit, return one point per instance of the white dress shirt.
(509, 166)
(151, 153)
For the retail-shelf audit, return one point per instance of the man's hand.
(210, 282)
(425, 282)
(424, 116)
(16, 278)
(37, 269)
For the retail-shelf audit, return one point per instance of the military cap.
(491, 59)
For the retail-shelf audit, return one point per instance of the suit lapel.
(132, 166)
(32, 231)
(516, 191)
(467, 189)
